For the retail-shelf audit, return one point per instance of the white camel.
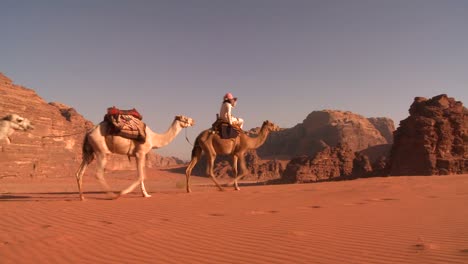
(98, 143)
(12, 122)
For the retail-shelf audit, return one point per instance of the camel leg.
(196, 155)
(142, 171)
(236, 172)
(141, 176)
(242, 174)
(188, 172)
(143, 190)
(79, 177)
(210, 163)
(101, 165)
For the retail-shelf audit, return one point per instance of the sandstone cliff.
(53, 148)
(433, 139)
(328, 164)
(328, 128)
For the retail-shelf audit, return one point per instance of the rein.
(186, 138)
(67, 135)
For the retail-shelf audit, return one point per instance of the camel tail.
(88, 151)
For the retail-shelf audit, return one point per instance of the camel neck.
(161, 140)
(260, 139)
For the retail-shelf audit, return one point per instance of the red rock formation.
(328, 164)
(433, 139)
(385, 126)
(327, 128)
(53, 148)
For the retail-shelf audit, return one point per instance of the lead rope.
(186, 138)
(66, 135)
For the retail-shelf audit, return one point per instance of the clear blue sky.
(282, 59)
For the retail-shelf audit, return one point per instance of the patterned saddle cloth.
(126, 123)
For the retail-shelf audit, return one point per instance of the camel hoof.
(114, 196)
(147, 195)
(237, 189)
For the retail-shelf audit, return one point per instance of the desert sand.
(375, 220)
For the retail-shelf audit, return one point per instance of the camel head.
(21, 123)
(270, 126)
(185, 121)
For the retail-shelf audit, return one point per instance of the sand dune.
(377, 220)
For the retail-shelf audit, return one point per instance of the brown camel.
(98, 143)
(211, 144)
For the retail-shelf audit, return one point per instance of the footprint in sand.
(297, 233)
(4, 243)
(260, 212)
(216, 214)
(159, 220)
(315, 206)
(425, 246)
(381, 199)
(99, 223)
(358, 203)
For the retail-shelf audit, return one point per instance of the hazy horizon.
(282, 59)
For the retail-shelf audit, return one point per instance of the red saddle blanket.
(115, 111)
(125, 123)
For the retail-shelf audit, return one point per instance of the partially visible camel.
(211, 144)
(12, 122)
(98, 143)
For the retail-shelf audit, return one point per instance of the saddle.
(224, 129)
(126, 123)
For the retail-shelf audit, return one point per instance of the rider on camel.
(225, 113)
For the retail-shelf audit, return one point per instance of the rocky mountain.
(433, 139)
(53, 148)
(328, 128)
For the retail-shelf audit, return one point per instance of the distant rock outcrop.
(385, 126)
(433, 139)
(53, 148)
(328, 164)
(328, 128)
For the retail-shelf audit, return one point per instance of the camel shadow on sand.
(50, 196)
